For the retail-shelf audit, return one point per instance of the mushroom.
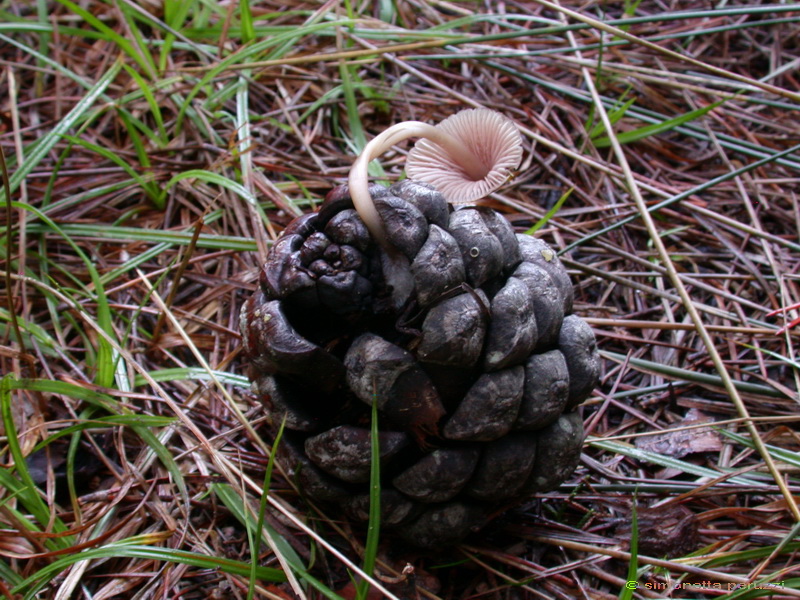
(466, 156)
(492, 143)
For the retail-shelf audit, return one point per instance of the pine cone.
(463, 338)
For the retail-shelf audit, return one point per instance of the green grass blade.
(23, 508)
(673, 463)
(72, 453)
(144, 421)
(140, 45)
(374, 521)
(281, 41)
(142, 181)
(124, 44)
(155, 108)
(358, 138)
(124, 549)
(246, 16)
(209, 177)
(196, 374)
(688, 193)
(626, 593)
(787, 456)
(550, 213)
(777, 356)
(175, 13)
(255, 540)
(686, 375)
(234, 503)
(9, 574)
(106, 356)
(108, 403)
(139, 128)
(767, 586)
(45, 341)
(650, 130)
(43, 15)
(133, 234)
(163, 454)
(45, 144)
(614, 115)
(49, 386)
(29, 494)
(135, 261)
(721, 559)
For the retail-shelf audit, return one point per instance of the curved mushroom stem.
(358, 179)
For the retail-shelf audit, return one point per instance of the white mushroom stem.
(358, 180)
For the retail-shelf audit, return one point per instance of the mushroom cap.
(490, 137)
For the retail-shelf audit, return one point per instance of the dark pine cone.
(462, 340)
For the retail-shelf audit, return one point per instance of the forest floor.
(154, 151)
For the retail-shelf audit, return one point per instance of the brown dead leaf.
(669, 530)
(684, 441)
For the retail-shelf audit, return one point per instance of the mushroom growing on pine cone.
(457, 328)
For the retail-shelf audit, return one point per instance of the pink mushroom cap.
(492, 140)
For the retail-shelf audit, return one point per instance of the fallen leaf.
(685, 441)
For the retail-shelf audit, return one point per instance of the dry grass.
(139, 225)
